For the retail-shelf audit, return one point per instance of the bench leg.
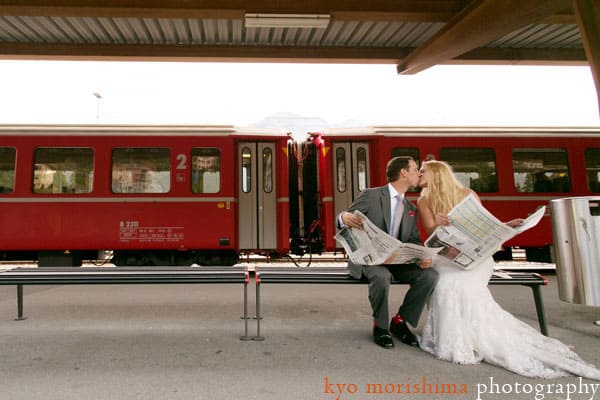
(539, 307)
(258, 338)
(245, 317)
(20, 316)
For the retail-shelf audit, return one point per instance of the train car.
(152, 195)
(514, 170)
(177, 195)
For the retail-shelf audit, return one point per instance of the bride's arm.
(430, 220)
(426, 215)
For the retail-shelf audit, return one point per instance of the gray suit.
(375, 203)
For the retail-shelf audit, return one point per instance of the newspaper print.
(474, 233)
(373, 246)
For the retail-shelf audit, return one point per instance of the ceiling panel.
(381, 32)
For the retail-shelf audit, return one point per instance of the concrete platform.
(183, 342)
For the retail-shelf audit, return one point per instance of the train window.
(592, 168)
(141, 170)
(267, 162)
(474, 167)
(63, 170)
(246, 170)
(7, 169)
(340, 167)
(361, 155)
(406, 151)
(206, 170)
(410, 152)
(541, 170)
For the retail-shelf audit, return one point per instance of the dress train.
(465, 325)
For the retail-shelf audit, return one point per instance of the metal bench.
(340, 275)
(126, 276)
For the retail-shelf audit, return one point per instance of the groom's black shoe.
(382, 338)
(399, 328)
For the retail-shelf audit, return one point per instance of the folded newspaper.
(373, 246)
(474, 233)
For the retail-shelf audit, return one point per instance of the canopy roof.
(413, 34)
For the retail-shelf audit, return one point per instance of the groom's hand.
(425, 263)
(352, 220)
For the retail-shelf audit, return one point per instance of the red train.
(177, 195)
(152, 195)
(515, 170)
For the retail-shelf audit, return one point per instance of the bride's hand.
(441, 219)
(513, 223)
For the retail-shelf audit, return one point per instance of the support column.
(588, 18)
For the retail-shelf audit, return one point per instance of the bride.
(465, 325)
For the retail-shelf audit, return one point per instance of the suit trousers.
(421, 281)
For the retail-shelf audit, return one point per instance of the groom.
(387, 208)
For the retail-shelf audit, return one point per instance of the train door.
(351, 173)
(257, 218)
(304, 198)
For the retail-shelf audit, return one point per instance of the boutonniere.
(411, 213)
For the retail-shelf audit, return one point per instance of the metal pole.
(98, 96)
(258, 338)
(20, 304)
(245, 317)
(539, 306)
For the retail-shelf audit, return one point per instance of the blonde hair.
(443, 190)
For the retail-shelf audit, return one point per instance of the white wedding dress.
(465, 325)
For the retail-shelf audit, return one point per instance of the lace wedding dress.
(465, 325)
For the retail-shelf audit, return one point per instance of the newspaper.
(474, 233)
(373, 246)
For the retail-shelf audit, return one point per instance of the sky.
(333, 95)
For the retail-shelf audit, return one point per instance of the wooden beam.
(588, 17)
(297, 54)
(420, 10)
(119, 11)
(350, 10)
(481, 22)
(521, 56)
(122, 52)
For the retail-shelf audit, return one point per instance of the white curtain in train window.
(206, 170)
(141, 170)
(539, 170)
(7, 169)
(267, 169)
(474, 167)
(361, 165)
(340, 162)
(60, 170)
(592, 169)
(246, 170)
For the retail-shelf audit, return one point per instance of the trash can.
(576, 234)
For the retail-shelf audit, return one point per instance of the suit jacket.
(375, 203)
